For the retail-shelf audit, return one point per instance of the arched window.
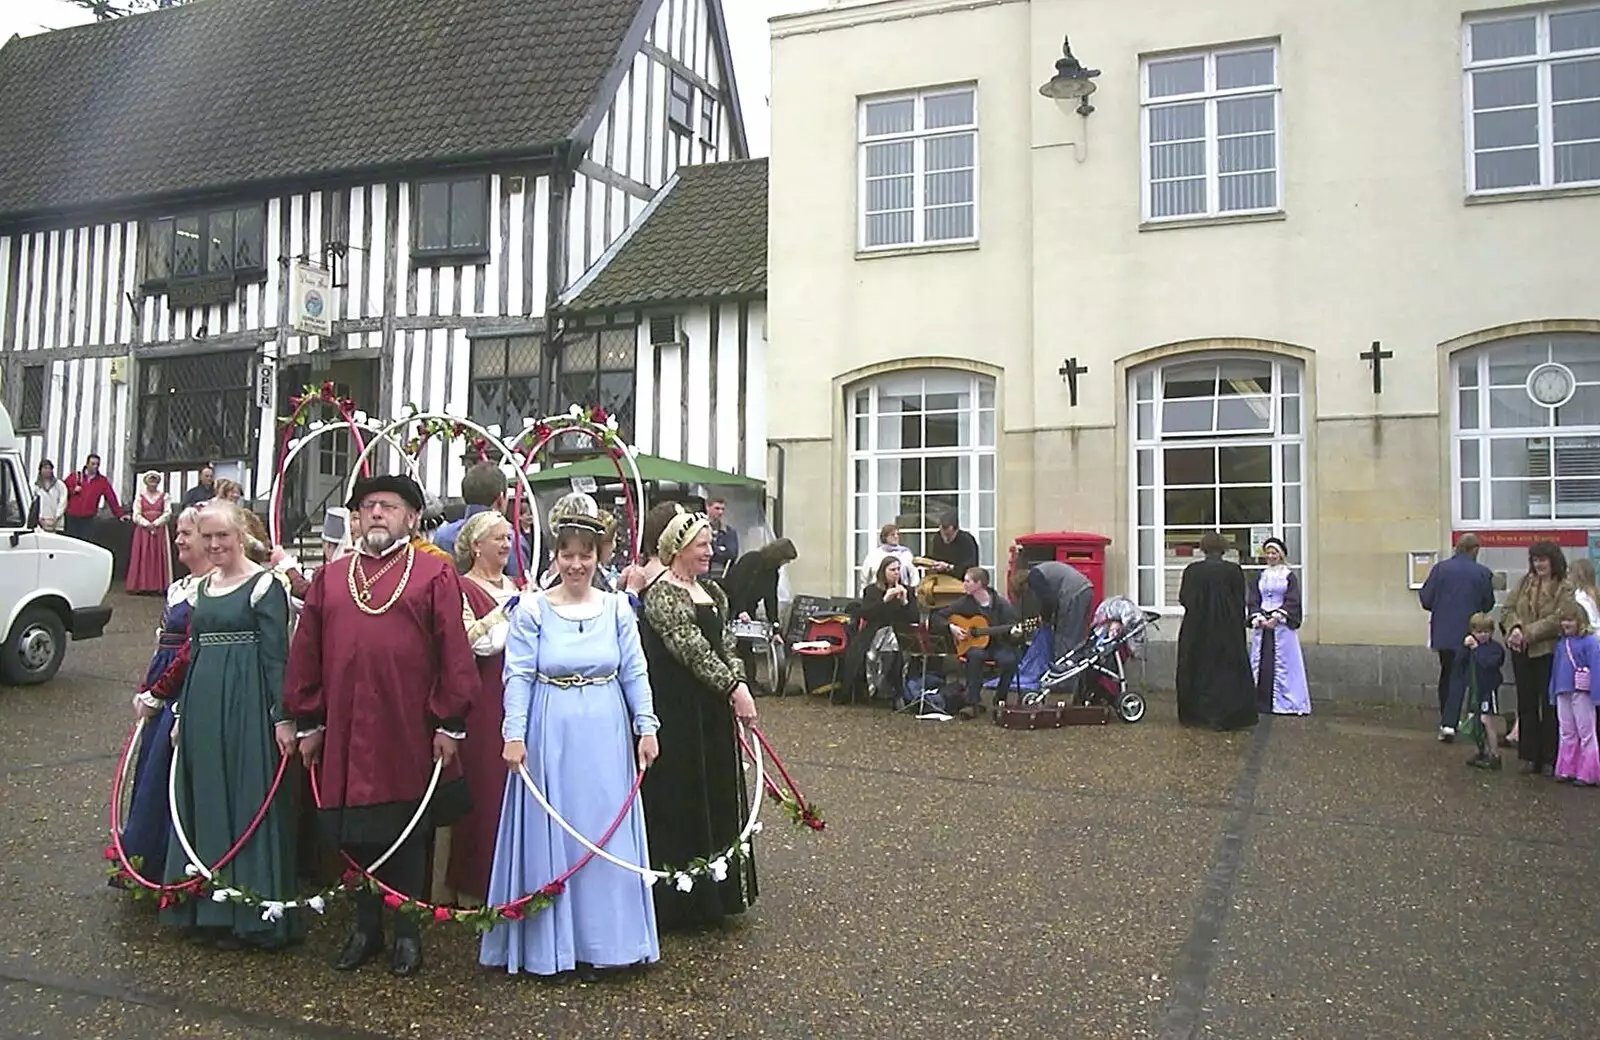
(922, 447)
(1218, 446)
(1526, 424)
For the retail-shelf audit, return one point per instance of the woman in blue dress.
(149, 823)
(578, 713)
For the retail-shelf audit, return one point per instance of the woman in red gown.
(150, 555)
(482, 549)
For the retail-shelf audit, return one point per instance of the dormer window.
(206, 244)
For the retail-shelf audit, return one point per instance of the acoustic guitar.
(979, 631)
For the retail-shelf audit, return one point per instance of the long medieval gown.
(1215, 688)
(470, 856)
(580, 743)
(227, 757)
(150, 548)
(149, 824)
(695, 798)
(1275, 658)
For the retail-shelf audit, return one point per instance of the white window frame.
(1543, 59)
(918, 134)
(1211, 95)
(1483, 435)
(971, 455)
(1276, 439)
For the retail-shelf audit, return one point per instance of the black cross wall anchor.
(1072, 370)
(1376, 357)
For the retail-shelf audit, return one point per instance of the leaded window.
(229, 241)
(196, 408)
(30, 413)
(598, 368)
(505, 382)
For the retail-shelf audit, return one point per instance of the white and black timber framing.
(75, 309)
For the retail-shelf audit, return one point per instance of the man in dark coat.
(1455, 590)
(952, 550)
(1215, 687)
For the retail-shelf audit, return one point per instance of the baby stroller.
(1095, 671)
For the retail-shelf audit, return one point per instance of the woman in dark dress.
(695, 798)
(1215, 685)
(885, 603)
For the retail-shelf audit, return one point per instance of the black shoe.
(360, 948)
(1489, 762)
(1530, 769)
(587, 973)
(406, 958)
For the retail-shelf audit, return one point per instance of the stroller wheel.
(1130, 707)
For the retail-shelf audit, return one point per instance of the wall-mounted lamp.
(1071, 80)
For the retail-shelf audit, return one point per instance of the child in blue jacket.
(1478, 672)
(1576, 660)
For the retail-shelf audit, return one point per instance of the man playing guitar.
(981, 608)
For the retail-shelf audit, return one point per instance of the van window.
(11, 512)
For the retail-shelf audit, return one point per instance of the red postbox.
(1084, 552)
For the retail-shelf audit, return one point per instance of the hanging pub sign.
(311, 300)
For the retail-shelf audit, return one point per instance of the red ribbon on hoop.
(116, 851)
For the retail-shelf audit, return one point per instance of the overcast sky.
(747, 25)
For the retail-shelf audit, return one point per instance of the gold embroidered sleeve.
(670, 612)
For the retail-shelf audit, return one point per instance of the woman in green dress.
(228, 738)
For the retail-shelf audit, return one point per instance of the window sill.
(449, 257)
(1194, 222)
(939, 247)
(257, 276)
(1533, 195)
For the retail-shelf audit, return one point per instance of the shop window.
(1526, 422)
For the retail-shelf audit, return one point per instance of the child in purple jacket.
(1576, 660)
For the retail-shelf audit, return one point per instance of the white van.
(51, 586)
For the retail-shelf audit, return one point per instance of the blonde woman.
(1584, 590)
(229, 732)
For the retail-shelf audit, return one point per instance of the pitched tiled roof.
(223, 93)
(707, 237)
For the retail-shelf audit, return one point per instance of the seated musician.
(981, 608)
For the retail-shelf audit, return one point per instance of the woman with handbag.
(1531, 619)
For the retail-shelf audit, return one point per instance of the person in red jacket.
(86, 489)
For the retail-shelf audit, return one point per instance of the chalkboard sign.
(803, 608)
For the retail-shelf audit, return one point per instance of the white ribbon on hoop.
(652, 876)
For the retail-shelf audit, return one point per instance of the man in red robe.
(379, 682)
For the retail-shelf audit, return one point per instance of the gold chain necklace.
(362, 595)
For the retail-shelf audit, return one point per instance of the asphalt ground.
(1342, 876)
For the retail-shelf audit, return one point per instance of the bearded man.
(379, 682)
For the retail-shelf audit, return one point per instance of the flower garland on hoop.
(602, 430)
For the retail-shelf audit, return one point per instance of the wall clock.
(1551, 384)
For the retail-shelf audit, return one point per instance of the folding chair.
(826, 637)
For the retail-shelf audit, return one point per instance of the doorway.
(318, 476)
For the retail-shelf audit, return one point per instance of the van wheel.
(35, 648)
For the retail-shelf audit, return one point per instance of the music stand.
(921, 642)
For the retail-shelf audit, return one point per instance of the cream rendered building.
(1262, 192)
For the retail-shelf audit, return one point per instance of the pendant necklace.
(361, 585)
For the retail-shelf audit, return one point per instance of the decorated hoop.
(601, 429)
(428, 420)
(715, 864)
(349, 419)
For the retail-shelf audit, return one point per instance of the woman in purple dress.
(1273, 606)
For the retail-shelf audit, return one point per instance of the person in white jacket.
(889, 545)
(51, 495)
